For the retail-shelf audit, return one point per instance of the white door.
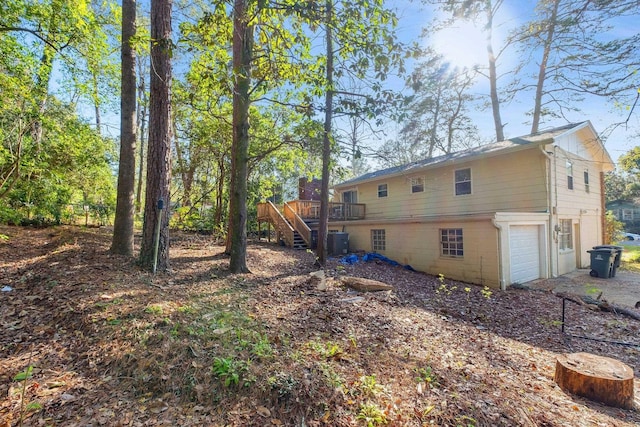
(525, 253)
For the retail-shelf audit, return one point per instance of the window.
(382, 190)
(378, 240)
(451, 242)
(586, 181)
(463, 181)
(569, 175)
(565, 236)
(627, 214)
(417, 185)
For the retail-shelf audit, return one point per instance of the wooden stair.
(289, 226)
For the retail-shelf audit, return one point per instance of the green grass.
(631, 258)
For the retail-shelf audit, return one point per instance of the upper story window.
(565, 235)
(382, 190)
(463, 181)
(417, 184)
(586, 181)
(569, 175)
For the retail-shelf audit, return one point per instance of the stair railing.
(280, 223)
(298, 224)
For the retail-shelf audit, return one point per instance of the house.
(508, 212)
(628, 212)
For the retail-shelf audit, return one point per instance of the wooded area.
(243, 98)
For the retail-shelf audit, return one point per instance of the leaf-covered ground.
(88, 339)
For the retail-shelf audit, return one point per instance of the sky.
(464, 45)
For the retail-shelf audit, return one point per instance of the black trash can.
(602, 262)
(617, 258)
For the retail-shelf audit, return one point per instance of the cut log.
(602, 305)
(598, 378)
(365, 285)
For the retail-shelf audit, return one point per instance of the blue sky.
(414, 16)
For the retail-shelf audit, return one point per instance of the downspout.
(501, 279)
(550, 205)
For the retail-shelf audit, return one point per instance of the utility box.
(337, 243)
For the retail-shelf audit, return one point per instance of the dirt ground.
(622, 290)
(89, 339)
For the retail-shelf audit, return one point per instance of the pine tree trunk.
(323, 225)
(122, 242)
(242, 55)
(159, 142)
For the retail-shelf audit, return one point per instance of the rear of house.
(503, 213)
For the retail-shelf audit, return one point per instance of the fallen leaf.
(263, 412)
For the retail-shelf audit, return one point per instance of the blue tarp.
(353, 258)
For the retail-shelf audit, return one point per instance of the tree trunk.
(122, 242)
(242, 56)
(142, 119)
(598, 378)
(159, 145)
(493, 77)
(542, 71)
(323, 224)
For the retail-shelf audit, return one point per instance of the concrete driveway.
(622, 290)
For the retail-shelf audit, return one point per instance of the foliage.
(613, 228)
(371, 415)
(229, 370)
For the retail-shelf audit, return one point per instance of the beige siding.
(513, 182)
(418, 245)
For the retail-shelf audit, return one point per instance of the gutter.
(501, 279)
(550, 205)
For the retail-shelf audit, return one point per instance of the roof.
(534, 139)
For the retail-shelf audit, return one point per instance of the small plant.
(468, 292)
(486, 292)
(372, 415)
(328, 350)
(283, 383)
(154, 309)
(369, 386)
(443, 287)
(426, 375)
(228, 370)
(4, 238)
(262, 347)
(333, 378)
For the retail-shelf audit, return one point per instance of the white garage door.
(525, 253)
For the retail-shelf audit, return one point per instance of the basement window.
(378, 240)
(451, 244)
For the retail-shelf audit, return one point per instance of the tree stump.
(598, 378)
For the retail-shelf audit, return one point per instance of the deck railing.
(310, 209)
